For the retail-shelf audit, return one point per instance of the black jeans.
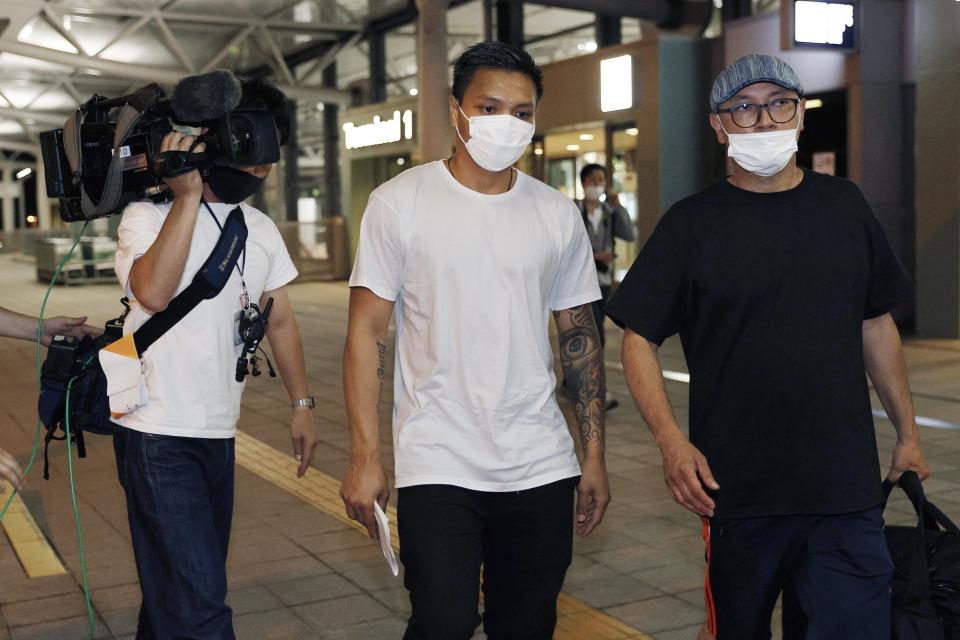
(523, 539)
(180, 507)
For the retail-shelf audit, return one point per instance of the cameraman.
(175, 456)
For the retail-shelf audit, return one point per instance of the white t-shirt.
(190, 371)
(595, 216)
(475, 278)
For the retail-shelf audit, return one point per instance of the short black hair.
(590, 168)
(258, 93)
(493, 55)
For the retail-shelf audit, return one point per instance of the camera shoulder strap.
(208, 282)
(130, 115)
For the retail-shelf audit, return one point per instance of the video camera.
(108, 153)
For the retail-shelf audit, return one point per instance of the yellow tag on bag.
(126, 386)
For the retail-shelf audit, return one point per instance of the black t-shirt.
(769, 292)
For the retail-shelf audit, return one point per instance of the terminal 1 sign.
(396, 128)
(820, 24)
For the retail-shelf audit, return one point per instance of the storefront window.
(568, 152)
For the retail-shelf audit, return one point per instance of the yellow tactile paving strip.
(576, 620)
(32, 548)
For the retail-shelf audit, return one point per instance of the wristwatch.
(308, 402)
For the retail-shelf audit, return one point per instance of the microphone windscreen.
(206, 96)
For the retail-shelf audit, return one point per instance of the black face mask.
(232, 185)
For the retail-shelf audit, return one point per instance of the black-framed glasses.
(746, 115)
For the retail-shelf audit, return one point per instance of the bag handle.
(918, 585)
(933, 518)
(941, 518)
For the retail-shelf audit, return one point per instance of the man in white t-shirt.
(175, 456)
(471, 256)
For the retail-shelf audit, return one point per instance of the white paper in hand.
(383, 527)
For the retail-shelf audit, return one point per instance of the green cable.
(36, 438)
(43, 307)
(76, 515)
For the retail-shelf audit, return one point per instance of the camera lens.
(242, 138)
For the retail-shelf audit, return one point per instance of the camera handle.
(170, 164)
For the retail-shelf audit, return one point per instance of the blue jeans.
(180, 506)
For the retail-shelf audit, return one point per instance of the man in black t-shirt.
(780, 282)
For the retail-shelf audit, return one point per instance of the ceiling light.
(23, 173)
(616, 83)
(401, 161)
(414, 91)
(539, 152)
(632, 131)
(573, 147)
(822, 22)
(26, 32)
(816, 103)
(32, 219)
(586, 137)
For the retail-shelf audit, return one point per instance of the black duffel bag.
(926, 578)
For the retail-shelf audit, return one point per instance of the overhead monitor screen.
(824, 24)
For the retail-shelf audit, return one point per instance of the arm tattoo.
(381, 369)
(581, 357)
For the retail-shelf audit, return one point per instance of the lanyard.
(245, 298)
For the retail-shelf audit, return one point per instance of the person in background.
(606, 220)
(23, 327)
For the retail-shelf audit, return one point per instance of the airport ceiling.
(57, 53)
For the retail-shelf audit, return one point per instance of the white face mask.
(594, 192)
(765, 153)
(496, 142)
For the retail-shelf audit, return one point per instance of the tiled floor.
(297, 572)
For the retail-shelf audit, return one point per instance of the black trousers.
(523, 539)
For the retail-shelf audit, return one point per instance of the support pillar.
(291, 165)
(8, 195)
(936, 38)
(510, 22)
(734, 9)
(43, 202)
(377, 54)
(433, 91)
(609, 31)
(331, 149)
(875, 123)
(487, 8)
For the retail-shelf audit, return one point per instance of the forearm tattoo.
(381, 368)
(581, 357)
